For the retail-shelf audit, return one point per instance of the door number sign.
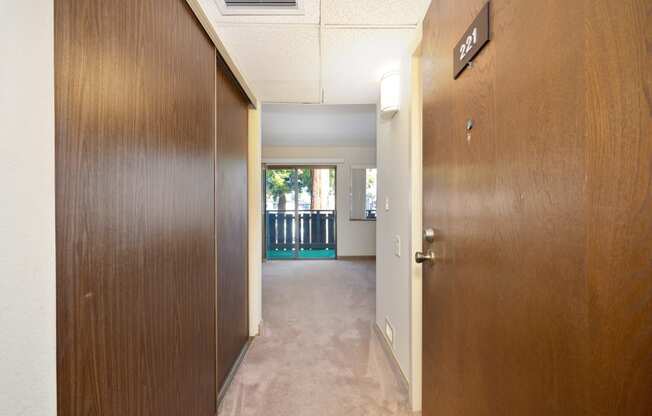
(472, 42)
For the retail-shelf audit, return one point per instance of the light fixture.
(390, 93)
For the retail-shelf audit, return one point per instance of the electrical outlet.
(397, 246)
(389, 332)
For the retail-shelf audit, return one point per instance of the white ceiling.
(375, 12)
(357, 59)
(318, 125)
(344, 50)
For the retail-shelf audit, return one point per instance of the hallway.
(319, 354)
(326, 208)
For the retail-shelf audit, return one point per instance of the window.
(363, 193)
(370, 195)
(300, 214)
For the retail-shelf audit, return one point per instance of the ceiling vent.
(260, 7)
(261, 3)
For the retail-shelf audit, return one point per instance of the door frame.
(416, 208)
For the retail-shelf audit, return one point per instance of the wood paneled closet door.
(135, 137)
(541, 303)
(231, 219)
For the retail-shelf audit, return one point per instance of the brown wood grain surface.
(543, 302)
(135, 128)
(231, 221)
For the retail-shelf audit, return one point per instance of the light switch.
(397, 246)
(386, 203)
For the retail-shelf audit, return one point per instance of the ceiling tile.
(356, 59)
(282, 60)
(375, 12)
(276, 59)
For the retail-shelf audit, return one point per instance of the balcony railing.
(290, 230)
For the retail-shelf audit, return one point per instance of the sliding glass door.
(300, 213)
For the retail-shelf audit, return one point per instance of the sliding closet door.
(135, 130)
(231, 219)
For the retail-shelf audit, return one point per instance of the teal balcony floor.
(303, 254)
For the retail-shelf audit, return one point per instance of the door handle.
(428, 257)
(429, 236)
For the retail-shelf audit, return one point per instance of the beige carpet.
(318, 355)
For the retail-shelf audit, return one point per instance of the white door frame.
(255, 218)
(416, 175)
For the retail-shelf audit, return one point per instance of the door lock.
(429, 235)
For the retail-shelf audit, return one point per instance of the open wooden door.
(539, 299)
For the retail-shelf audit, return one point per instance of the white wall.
(396, 277)
(319, 125)
(27, 239)
(354, 238)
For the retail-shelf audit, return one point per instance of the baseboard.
(389, 351)
(356, 258)
(234, 370)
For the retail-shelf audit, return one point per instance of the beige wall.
(27, 222)
(255, 222)
(354, 238)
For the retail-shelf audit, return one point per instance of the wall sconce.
(390, 93)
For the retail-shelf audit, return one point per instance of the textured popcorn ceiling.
(375, 12)
(280, 61)
(343, 51)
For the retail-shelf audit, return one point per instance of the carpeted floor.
(318, 355)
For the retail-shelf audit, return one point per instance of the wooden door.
(540, 302)
(231, 220)
(135, 131)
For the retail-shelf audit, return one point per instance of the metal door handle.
(420, 257)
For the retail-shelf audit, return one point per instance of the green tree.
(304, 176)
(279, 183)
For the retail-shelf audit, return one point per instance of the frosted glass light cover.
(390, 93)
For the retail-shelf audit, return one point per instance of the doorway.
(300, 212)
